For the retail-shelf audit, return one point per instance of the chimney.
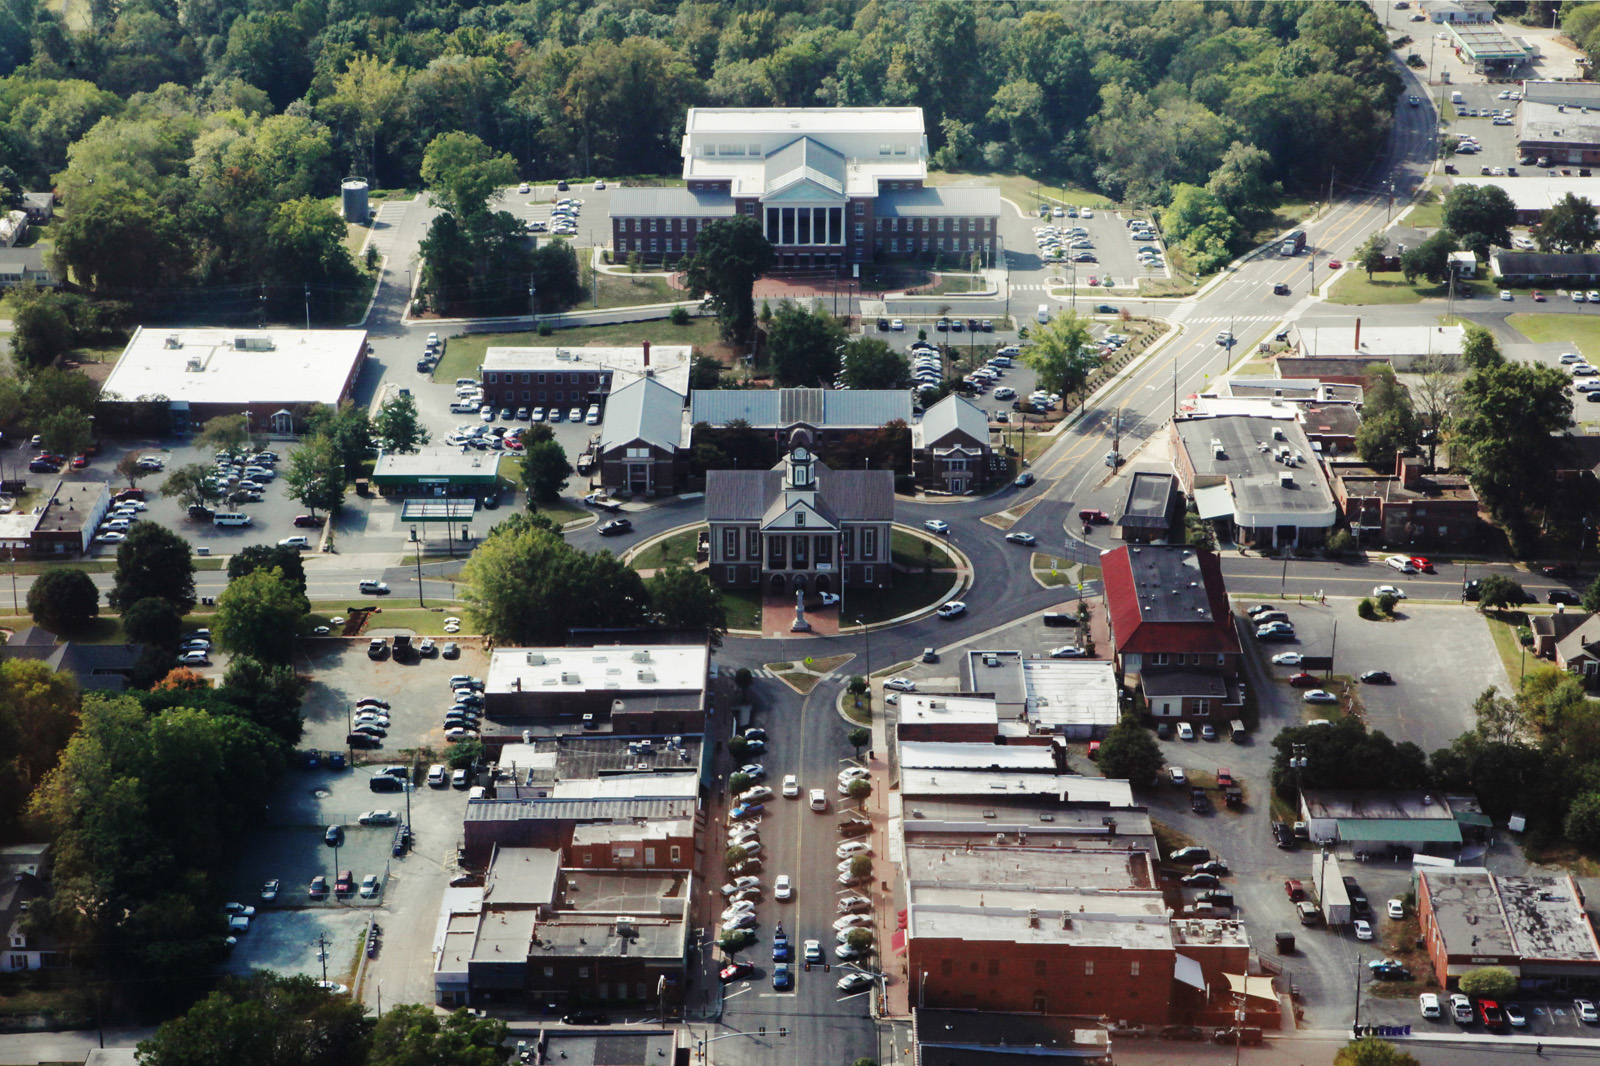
(646, 353)
(1358, 334)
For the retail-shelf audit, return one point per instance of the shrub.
(1366, 610)
(678, 316)
(1489, 982)
(1387, 602)
(739, 782)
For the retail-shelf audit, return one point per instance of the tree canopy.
(1062, 354)
(1509, 413)
(63, 600)
(259, 613)
(730, 254)
(1130, 753)
(153, 561)
(1569, 226)
(803, 346)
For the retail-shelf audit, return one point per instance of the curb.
(627, 557)
(838, 708)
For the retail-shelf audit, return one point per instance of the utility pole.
(322, 953)
(1389, 210)
(1331, 172)
(308, 306)
(1333, 649)
(417, 541)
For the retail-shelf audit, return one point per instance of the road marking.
(734, 995)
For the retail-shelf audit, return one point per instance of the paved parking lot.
(1430, 703)
(417, 692)
(1113, 250)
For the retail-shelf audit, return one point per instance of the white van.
(1456, 97)
(592, 416)
(466, 381)
(1044, 312)
(230, 518)
(478, 792)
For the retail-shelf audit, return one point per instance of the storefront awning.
(1214, 501)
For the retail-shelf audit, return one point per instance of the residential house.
(639, 439)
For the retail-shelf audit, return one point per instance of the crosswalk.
(1240, 319)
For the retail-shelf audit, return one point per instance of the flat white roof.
(1038, 916)
(803, 121)
(1065, 693)
(749, 177)
(933, 754)
(1536, 193)
(238, 366)
(1068, 787)
(669, 363)
(659, 668)
(628, 786)
(923, 708)
(437, 462)
(1339, 342)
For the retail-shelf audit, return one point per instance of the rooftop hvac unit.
(647, 677)
(1277, 434)
(173, 341)
(193, 366)
(641, 656)
(568, 678)
(536, 658)
(1286, 480)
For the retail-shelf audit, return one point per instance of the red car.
(1334, 264)
(1303, 680)
(305, 521)
(735, 970)
(346, 883)
(1538, 297)
(129, 494)
(1089, 515)
(319, 887)
(79, 462)
(1423, 566)
(1558, 569)
(1094, 750)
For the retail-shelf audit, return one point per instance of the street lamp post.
(418, 542)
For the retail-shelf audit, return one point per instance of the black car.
(986, 326)
(1191, 854)
(1280, 289)
(1472, 589)
(561, 186)
(1565, 596)
(586, 1017)
(1284, 835)
(883, 325)
(615, 527)
(334, 837)
(1377, 677)
(362, 740)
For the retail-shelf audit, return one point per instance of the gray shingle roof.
(643, 410)
(919, 203)
(674, 202)
(1552, 263)
(845, 495)
(954, 413)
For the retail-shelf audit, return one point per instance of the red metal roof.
(1167, 599)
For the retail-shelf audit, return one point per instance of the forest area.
(197, 145)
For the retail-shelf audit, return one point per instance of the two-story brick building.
(950, 446)
(830, 186)
(800, 527)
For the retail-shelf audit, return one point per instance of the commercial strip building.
(656, 689)
(800, 527)
(1073, 699)
(1150, 508)
(1559, 121)
(1397, 345)
(1407, 508)
(1388, 821)
(63, 525)
(1534, 194)
(1535, 925)
(564, 378)
(830, 187)
(436, 471)
(1258, 478)
(272, 376)
(1550, 268)
(990, 1038)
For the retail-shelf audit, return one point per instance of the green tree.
(1499, 592)
(348, 431)
(41, 328)
(1591, 596)
(128, 467)
(1196, 219)
(463, 754)
(192, 485)
(704, 372)
(1482, 214)
(259, 615)
(269, 52)
(153, 561)
(860, 868)
(305, 242)
(1342, 755)
(859, 738)
(730, 254)
(63, 600)
(38, 714)
(734, 856)
(740, 782)
(1569, 226)
(1508, 414)
(1388, 421)
(1582, 822)
(1133, 753)
(316, 476)
(555, 276)
(1062, 354)
(226, 433)
(399, 426)
(1479, 348)
(267, 1019)
(735, 941)
(682, 598)
(803, 346)
(413, 1034)
(869, 363)
(859, 789)
(1498, 719)
(1430, 259)
(288, 561)
(528, 587)
(1489, 982)
(367, 101)
(1370, 1051)
(860, 939)
(1372, 253)
(1436, 381)
(153, 621)
(66, 432)
(463, 173)
(545, 471)
(1243, 183)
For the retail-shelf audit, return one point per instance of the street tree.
(859, 789)
(871, 364)
(279, 557)
(1130, 753)
(269, 1020)
(463, 754)
(316, 476)
(67, 433)
(413, 1034)
(192, 484)
(348, 431)
(63, 600)
(259, 615)
(1508, 414)
(1569, 226)
(861, 867)
(1482, 215)
(1489, 982)
(153, 561)
(463, 173)
(225, 433)
(803, 346)
(740, 782)
(545, 471)
(1373, 251)
(1370, 1051)
(1479, 348)
(399, 426)
(683, 598)
(1243, 183)
(153, 621)
(730, 254)
(859, 738)
(1499, 592)
(1062, 354)
(527, 588)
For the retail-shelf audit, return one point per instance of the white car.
(901, 684)
(195, 658)
(852, 921)
(783, 888)
(1177, 775)
(295, 542)
(852, 902)
(935, 525)
(819, 800)
(1015, 538)
(1389, 590)
(1067, 651)
(791, 786)
(1397, 908)
(1585, 1010)
(896, 325)
(1504, 295)
(755, 795)
(1363, 929)
(953, 609)
(112, 537)
(1185, 731)
(851, 848)
(1288, 658)
(1401, 563)
(739, 884)
(743, 906)
(850, 773)
(1429, 1004)
(369, 885)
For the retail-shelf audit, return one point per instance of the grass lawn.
(677, 548)
(1429, 212)
(743, 607)
(907, 550)
(858, 709)
(354, 237)
(464, 352)
(1503, 626)
(1023, 191)
(422, 621)
(952, 283)
(1581, 331)
(631, 291)
(1166, 287)
(1354, 288)
(1043, 565)
(910, 592)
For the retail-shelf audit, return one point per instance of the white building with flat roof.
(563, 378)
(272, 375)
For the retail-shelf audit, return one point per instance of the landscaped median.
(808, 673)
(1052, 571)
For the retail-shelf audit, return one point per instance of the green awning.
(1423, 830)
(1474, 818)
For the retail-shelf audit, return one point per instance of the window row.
(502, 378)
(1161, 658)
(933, 225)
(662, 225)
(1040, 967)
(957, 244)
